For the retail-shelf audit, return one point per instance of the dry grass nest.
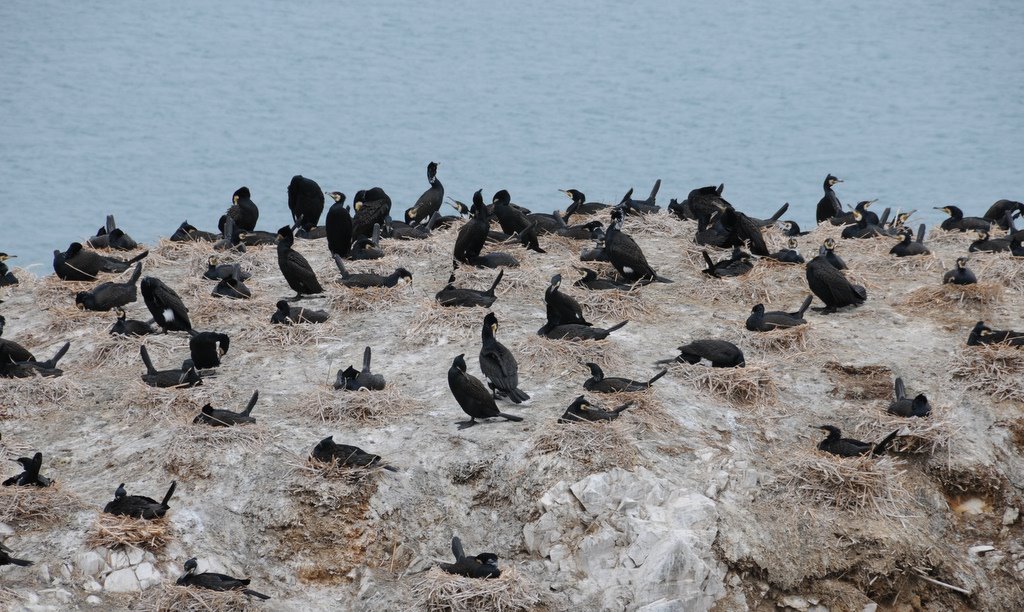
(174, 598)
(940, 297)
(647, 411)
(632, 305)
(1001, 269)
(433, 323)
(51, 505)
(659, 225)
(439, 591)
(364, 407)
(374, 299)
(112, 531)
(187, 453)
(788, 340)
(860, 382)
(596, 446)
(136, 397)
(21, 397)
(927, 435)
(122, 352)
(750, 386)
(269, 334)
(996, 369)
(305, 470)
(764, 284)
(543, 357)
(852, 484)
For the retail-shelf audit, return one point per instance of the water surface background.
(157, 112)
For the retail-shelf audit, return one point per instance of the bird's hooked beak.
(221, 351)
(567, 194)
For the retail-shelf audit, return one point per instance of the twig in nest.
(174, 598)
(752, 385)
(996, 369)
(46, 505)
(594, 445)
(364, 407)
(112, 531)
(439, 591)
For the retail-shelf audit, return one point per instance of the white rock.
(91, 586)
(663, 605)
(871, 607)
(121, 581)
(1010, 516)
(978, 550)
(794, 601)
(63, 595)
(91, 563)
(147, 575)
(92, 600)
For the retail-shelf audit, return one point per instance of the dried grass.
(432, 323)
(122, 352)
(632, 305)
(305, 469)
(860, 382)
(939, 297)
(374, 299)
(363, 407)
(1001, 269)
(595, 446)
(996, 369)
(112, 531)
(543, 357)
(750, 386)
(918, 435)
(787, 340)
(851, 484)
(139, 399)
(660, 225)
(174, 598)
(20, 506)
(187, 452)
(439, 591)
(23, 397)
(300, 334)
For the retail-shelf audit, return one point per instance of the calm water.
(157, 112)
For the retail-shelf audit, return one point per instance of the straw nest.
(364, 407)
(595, 446)
(925, 435)
(306, 472)
(433, 323)
(374, 299)
(20, 506)
(1001, 269)
(543, 357)
(632, 305)
(860, 382)
(939, 297)
(750, 386)
(174, 598)
(136, 397)
(788, 340)
(996, 369)
(266, 333)
(659, 225)
(122, 352)
(852, 484)
(22, 397)
(112, 531)
(647, 411)
(439, 591)
(764, 284)
(187, 453)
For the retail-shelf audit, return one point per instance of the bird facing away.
(906, 407)
(471, 394)
(329, 451)
(835, 444)
(484, 565)
(107, 296)
(712, 352)
(355, 380)
(169, 312)
(207, 348)
(215, 582)
(498, 365)
(226, 418)
(599, 383)
(138, 506)
(286, 314)
(185, 376)
(30, 476)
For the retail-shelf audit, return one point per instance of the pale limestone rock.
(121, 581)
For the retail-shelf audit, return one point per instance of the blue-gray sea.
(158, 111)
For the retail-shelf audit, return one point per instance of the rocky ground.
(708, 494)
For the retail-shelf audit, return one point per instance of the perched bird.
(957, 222)
(290, 315)
(428, 203)
(368, 280)
(451, 295)
(11, 351)
(582, 410)
(831, 286)
(220, 271)
(165, 305)
(498, 365)
(107, 296)
(835, 444)
(514, 220)
(367, 248)
(9, 368)
(960, 275)
(716, 353)
(338, 226)
(641, 207)
(226, 418)
(599, 383)
(579, 205)
(624, 253)
(187, 232)
(791, 228)
(7, 277)
(30, 476)
(185, 376)
(704, 202)
(138, 506)
(484, 565)
(906, 407)
(472, 395)
(575, 331)
(906, 248)
(790, 254)
(7, 559)
(232, 288)
(983, 334)
(79, 264)
(997, 213)
(987, 244)
(215, 582)
(294, 267)
(828, 251)
(207, 348)
(372, 206)
(355, 380)
(473, 235)
(737, 264)
(329, 451)
(744, 230)
(562, 309)
(591, 281)
(305, 200)
(244, 211)
(112, 237)
(761, 321)
(829, 205)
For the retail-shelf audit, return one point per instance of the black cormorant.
(187, 232)
(7, 277)
(244, 211)
(367, 248)
(624, 253)
(960, 275)
(835, 444)
(706, 202)
(987, 244)
(744, 231)
(829, 205)
(27, 369)
(294, 267)
(338, 226)
(906, 407)
(226, 418)
(30, 476)
(207, 348)
(791, 228)
(372, 206)
(329, 451)
(109, 295)
(579, 205)
(219, 271)
(498, 365)
(562, 309)
(451, 295)
(232, 288)
(355, 380)
(515, 221)
(642, 207)
(12, 351)
(983, 334)
(80, 264)
(287, 314)
(592, 282)
(717, 354)
(428, 203)
(761, 321)
(599, 383)
(831, 286)
(7, 559)
(305, 200)
(906, 248)
(215, 582)
(958, 222)
(737, 264)
(368, 280)
(472, 236)
(130, 327)
(828, 251)
(574, 331)
(165, 305)
(484, 565)
(185, 376)
(582, 410)
(472, 395)
(138, 506)
(997, 212)
(790, 254)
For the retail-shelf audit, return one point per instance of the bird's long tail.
(886, 442)
(366, 359)
(341, 266)
(138, 257)
(805, 306)
(623, 407)
(497, 280)
(135, 275)
(251, 404)
(255, 594)
(52, 363)
(21, 562)
(654, 190)
(778, 214)
(510, 417)
(656, 377)
(170, 492)
(707, 260)
(616, 326)
(901, 391)
(146, 360)
(517, 396)
(920, 233)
